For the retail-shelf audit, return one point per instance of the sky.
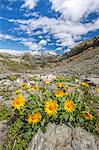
(47, 26)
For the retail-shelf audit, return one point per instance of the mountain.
(82, 58)
(87, 45)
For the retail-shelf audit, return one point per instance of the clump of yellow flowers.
(56, 103)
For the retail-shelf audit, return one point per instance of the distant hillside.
(89, 44)
(83, 57)
(25, 62)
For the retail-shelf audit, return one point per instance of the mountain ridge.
(26, 61)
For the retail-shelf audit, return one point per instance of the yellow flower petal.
(60, 84)
(18, 102)
(87, 115)
(97, 90)
(34, 118)
(59, 93)
(35, 88)
(69, 105)
(18, 91)
(47, 82)
(51, 107)
(85, 84)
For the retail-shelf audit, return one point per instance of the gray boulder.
(62, 137)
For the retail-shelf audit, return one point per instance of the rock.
(82, 140)
(49, 77)
(8, 103)
(94, 80)
(3, 130)
(62, 137)
(54, 138)
(7, 82)
(1, 98)
(97, 143)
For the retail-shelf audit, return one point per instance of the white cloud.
(65, 29)
(26, 42)
(6, 37)
(43, 42)
(75, 9)
(31, 45)
(8, 51)
(33, 14)
(11, 37)
(29, 4)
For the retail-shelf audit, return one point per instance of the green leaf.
(81, 120)
(27, 134)
(71, 118)
(66, 116)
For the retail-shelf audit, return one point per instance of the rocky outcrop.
(62, 137)
(87, 45)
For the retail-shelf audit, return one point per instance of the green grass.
(16, 66)
(5, 112)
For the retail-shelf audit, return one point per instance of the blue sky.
(43, 26)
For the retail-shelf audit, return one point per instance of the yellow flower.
(87, 115)
(18, 102)
(76, 88)
(66, 93)
(67, 87)
(23, 84)
(34, 118)
(51, 107)
(59, 93)
(26, 87)
(61, 78)
(18, 91)
(85, 84)
(35, 88)
(69, 105)
(47, 82)
(97, 90)
(60, 84)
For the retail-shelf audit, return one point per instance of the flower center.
(34, 117)
(51, 107)
(69, 106)
(18, 102)
(87, 115)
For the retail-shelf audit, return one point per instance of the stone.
(95, 80)
(3, 130)
(56, 138)
(82, 140)
(62, 137)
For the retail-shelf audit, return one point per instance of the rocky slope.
(85, 63)
(82, 47)
(82, 59)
